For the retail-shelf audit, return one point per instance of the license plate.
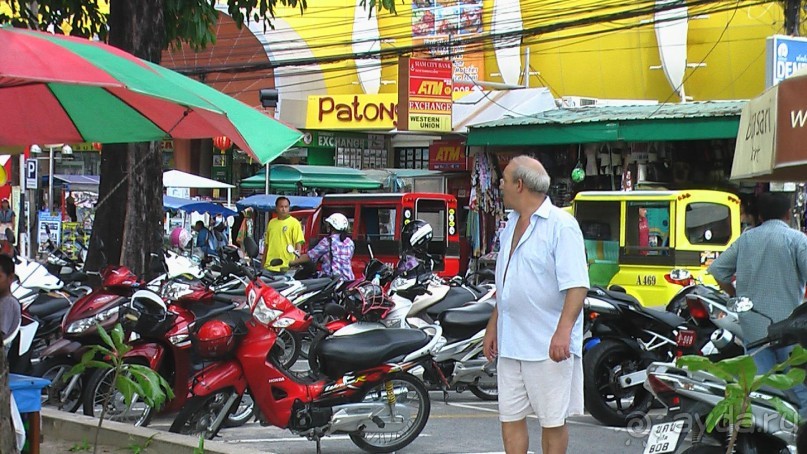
(664, 437)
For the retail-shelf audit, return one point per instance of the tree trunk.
(8, 440)
(792, 17)
(129, 220)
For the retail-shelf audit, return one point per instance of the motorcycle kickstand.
(444, 386)
(317, 440)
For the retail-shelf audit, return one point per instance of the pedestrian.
(204, 238)
(749, 213)
(281, 232)
(246, 229)
(7, 216)
(70, 208)
(335, 251)
(9, 306)
(536, 329)
(769, 264)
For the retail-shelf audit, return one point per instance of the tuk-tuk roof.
(384, 195)
(668, 195)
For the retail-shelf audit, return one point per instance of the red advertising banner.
(448, 155)
(425, 92)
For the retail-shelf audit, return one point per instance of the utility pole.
(792, 16)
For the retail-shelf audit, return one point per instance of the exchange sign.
(425, 95)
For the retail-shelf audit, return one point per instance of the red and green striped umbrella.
(58, 89)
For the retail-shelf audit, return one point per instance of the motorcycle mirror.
(680, 274)
(251, 247)
(741, 304)
(275, 262)
(370, 250)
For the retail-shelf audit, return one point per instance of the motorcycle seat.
(619, 296)
(456, 297)
(201, 310)
(464, 322)
(45, 305)
(75, 276)
(667, 318)
(341, 354)
(56, 316)
(315, 285)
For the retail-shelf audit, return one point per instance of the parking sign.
(31, 171)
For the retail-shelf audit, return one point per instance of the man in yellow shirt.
(281, 232)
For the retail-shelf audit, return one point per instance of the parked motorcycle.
(690, 396)
(368, 392)
(625, 339)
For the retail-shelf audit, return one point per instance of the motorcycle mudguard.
(61, 347)
(27, 334)
(219, 376)
(590, 343)
(152, 354)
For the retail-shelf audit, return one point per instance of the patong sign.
(352, 112)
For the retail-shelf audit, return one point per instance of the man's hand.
(490, 345)
(559, 346)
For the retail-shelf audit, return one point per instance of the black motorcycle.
(625, 339)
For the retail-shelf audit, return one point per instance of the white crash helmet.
(338, 221)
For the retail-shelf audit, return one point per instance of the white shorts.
(552, 391)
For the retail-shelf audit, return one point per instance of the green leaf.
(798, 356)
(784, 381)
(88, 356)
(700, 363)
(104, 336)
(117, 336)
(98, 365)
(785, 410)
(720, 412)
(128, 388)
(78, 369)
(741, 367)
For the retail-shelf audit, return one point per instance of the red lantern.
(222, 142)
(97, 146)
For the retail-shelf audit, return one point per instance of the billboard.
(425, 94)
(784, 55)
(438, 30)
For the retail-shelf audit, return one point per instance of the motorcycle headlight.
(283, 322)
(80, 326)
(263, 314)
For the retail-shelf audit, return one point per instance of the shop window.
(412, 158)
(434, 212)
(708, 223)
(647, 229)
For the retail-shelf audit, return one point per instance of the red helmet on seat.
(214, 339)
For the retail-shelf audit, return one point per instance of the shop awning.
(75, 182)
(287, 177)
(199, 206)
(266, 202)
(641, 123)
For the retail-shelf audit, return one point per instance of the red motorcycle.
(79, 331)
(164, 345)
(366, 390)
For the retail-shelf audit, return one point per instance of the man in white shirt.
(535, 331)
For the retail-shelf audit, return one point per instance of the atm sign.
(448, 155)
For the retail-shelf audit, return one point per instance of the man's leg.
(515, 436)
(555, 440)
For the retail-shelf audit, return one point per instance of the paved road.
(463, 425)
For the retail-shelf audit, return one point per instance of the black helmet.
(416, 236)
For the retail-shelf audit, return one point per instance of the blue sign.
(784, 56)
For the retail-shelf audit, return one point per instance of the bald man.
(536, 330)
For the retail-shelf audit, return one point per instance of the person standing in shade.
(281, 232)
(70, 208)
(769, 263)
(9, 305)
(7, 217)
(535, 332)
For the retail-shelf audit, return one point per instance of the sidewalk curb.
(59, 425)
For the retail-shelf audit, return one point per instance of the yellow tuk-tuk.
(634, 239)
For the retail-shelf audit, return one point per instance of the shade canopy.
(198, 206)
(267, 202)
(289, 177)
(61, 89)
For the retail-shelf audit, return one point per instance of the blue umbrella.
(199, 206)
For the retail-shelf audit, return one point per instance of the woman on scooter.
(335, 251)
(415, 239)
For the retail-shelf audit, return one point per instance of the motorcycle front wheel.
(55, 369)
(408, 391)
(242, 413)
(288, 348)
(605, 399)
(101, 392)
(198, 416)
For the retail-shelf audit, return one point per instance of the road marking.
(460, 416)
(293, 439)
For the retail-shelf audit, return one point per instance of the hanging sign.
(425, 94)
(448, 155)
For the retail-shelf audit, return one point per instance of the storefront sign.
(754, 151)
(352, 112)
(425, 94)
(448, 156)
(54, 227)
(784, 56)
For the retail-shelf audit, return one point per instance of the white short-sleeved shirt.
(549, 259)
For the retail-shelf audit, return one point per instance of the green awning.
(644, 123)
(286, 177)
